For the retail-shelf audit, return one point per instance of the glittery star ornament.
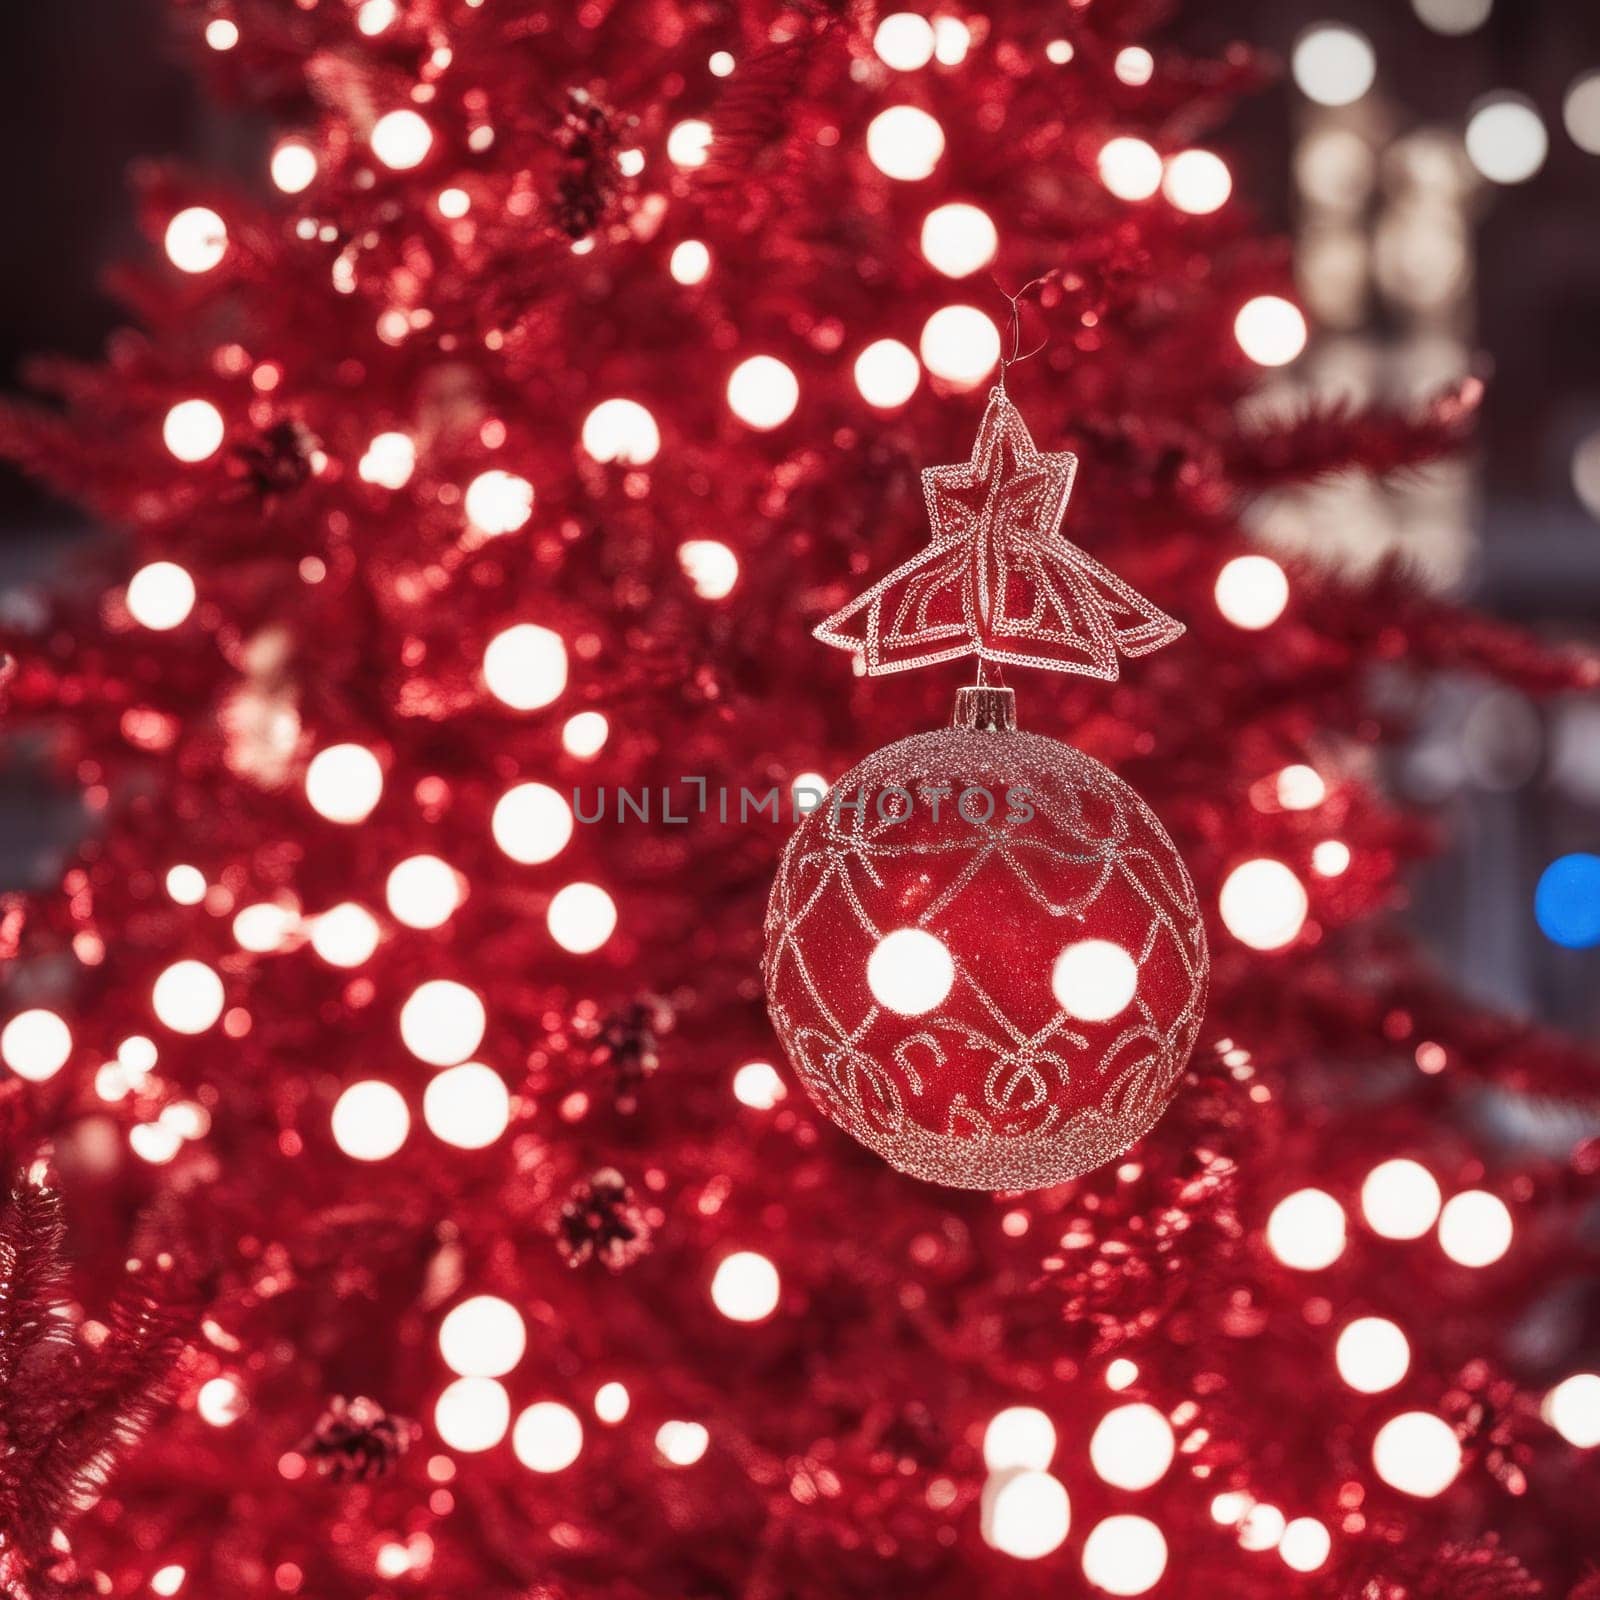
(984, 956)
(999, 581)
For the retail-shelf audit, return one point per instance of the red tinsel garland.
(482, 303)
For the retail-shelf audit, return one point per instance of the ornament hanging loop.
(1007, 362)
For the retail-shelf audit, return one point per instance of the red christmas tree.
(516, 448)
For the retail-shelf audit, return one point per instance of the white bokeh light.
(1334, 65)
(958, 239)
(1019, 1436)
(525, 666)
(887, 374)
(1263, 904)
(1572, 1408)
(710, 566)
(193, 430)
(401, 140)
(1132, 1446)
(904, 142)
(1305, 1545)
(376, 15)
(690, 262)
(196, 239)
(222, 33)
(1251, 592)
(370, 1121)
(581, 918)
(154, 1142)
(904, 41)
(473, 1414)
(482, 1337)
(442, 1022)
(1094, 979)
(1475, 1228)
(1330, 858)
(1417, 1453)
(344, 782)
(293, 166)
(910, 972)
(807, 791)
(585, 735)
(345, 935)
(1400, 1199)
(1134, 66)
(467, 1106)
(532, 823)
(35, 1044)
(137, 1053)
(422, 892)
(756, 1084)
(220, 1402)
(682, 1443)
(1506, 139)
(1261, 1528)
(745, 1287)
(187, 997)
(1306, 1230)
(1453, 16)
(1230, 1508)
(1198, 182)
(160, 595)
(265, 926)
(1125, 1555)
(763, 392)
(611, 1402)
(186, 884)
(389, 461)
(952, 38)
(548, 1437)
(1372, 1354)
(1300, 788)
(1270, 330)
(498, 502)
(622, 431)
(1025, 1514)
(1129, 168)
(689, 143)
(961, 345)
(1580, 111)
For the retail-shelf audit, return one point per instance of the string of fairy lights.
(1264, 902)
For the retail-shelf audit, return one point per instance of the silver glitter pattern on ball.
(1058, 1097)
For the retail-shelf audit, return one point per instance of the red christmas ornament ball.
(985, 959)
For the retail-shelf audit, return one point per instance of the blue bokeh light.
(1567, 902)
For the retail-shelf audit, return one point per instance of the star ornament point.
(998, 579)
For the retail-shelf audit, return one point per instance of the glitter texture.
(999, 581)
(997, 1087)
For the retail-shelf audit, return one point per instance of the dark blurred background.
(1437, 163)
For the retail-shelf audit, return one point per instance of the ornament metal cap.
(986, 708)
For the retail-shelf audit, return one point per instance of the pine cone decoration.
(356, 1440)
(1493, 1419)
(600, 1221)
(277, 460)
(1480, 1570)
(630, 1045)
(589, 179)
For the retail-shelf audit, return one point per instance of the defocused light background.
(1437, 164)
